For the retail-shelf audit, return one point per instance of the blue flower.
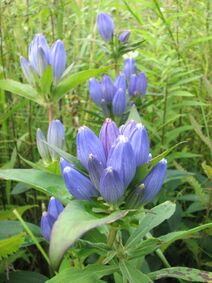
(132, 85)
(95, 91)
(108, 89)
(56, 137)
(141, 84)
(130, 67)
(119, 102)
(105, 26)
(124, 36)
(120, 82)
(58, 59)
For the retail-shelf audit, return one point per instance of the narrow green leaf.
(46, 80)
(23, 277)
(146, 247)
(132, 274)
(11, 245)
(76, 219)
(9, 215)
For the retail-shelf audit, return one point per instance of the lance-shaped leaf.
(76, 219)
(50, 184)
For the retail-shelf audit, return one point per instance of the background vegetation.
(176, 56)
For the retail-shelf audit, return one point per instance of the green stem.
(32, 236)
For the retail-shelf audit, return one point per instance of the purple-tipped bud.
(105, 26)
(26, 68)
(130, 67)
(140, 144)
(47, 222)
(108, 89)
(95, 170)
(108, 134)
(119, 102)
(55, 207)
(56, 137)
(78, 185)
(95, 91)
(120, 82)
(132, 85)
(121, 158)
(128, 128)
(58, 59)
(141, 84)
(42, 146)
(88, 143)
(64, 163)
(111, 186)
(124, 36)
(39, 53)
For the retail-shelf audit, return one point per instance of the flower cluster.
(111, 161)
(106, 28)
(113, 95)
(50, 216)
(55, 137)
(40, 56)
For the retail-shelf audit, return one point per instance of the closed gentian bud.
(132, 91)
(154, 181)
(95, 170)
(58, 59)
(111, 186)
(121, 158)
(108, 89)
(108, 134)
(140, 144)
(105, 26)
(119, 102)
(42, 146)
(26, 69)
(47, 222)
(141, 84)
(55, 207)
(38, 42)
(64, 163)
(128, 128)
(124, 36)
(42, 61)
(78, 185)
(130, 67)
(56, 137)
(120, 82)
(95, 91)
(88, 143)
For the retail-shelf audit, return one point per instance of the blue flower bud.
(130, 67)
(64, 163)
(141, 84)
(140, 144)
(132, 85)
(56, 137)
(120, 82)
(47, 222)
(78, 185)
(111, 186)
(108, 89)
(105, 26)
(42, 146)
(121, 158)
(26, 68)
(128, 128)
(124, 36)
(54, 208)
(154, 181)
(88, 143)
(95, 170)
(119, 102)
(58, 59)
(95, 91)
(108, 134)
(42, 61)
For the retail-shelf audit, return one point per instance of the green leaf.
(181, 93)
(74, 80)
(134, 115)
(9, 215)
(46, 80)
(189, 274)
(76, 219)
(151, 219)
(11, 245)
(48, 183)
(24, 90)
(132, 274)
(23, 277)
(168, 239)
(10, 228)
